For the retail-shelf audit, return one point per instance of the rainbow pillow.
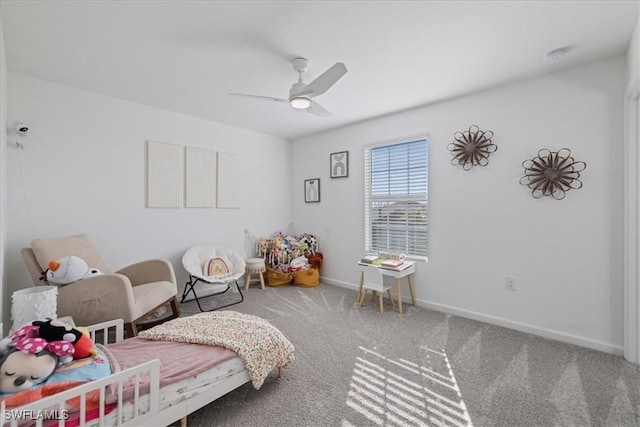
(217, 268)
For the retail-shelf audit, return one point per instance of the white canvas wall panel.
(200, 177)
(229, 180)
(165, 172)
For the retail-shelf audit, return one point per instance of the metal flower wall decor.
(472, 148)
(552, 173)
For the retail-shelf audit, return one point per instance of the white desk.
(397, 274)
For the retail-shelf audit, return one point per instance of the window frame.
(367, 149)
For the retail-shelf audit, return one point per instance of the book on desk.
(396, 265)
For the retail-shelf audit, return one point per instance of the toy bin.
(275, 278)
(306, 278)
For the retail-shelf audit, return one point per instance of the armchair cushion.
(53, 249)
(152, 270)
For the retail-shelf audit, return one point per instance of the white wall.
(632, 187)
(3, 172)
(83, 169)
(633, 55)
(566, 255)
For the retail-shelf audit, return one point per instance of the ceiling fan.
(301, 94)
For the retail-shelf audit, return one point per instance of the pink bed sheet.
(177, 360)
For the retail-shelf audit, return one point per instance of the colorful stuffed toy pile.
(291, 259)
(285, 253)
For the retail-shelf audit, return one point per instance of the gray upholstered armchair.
(133, 293)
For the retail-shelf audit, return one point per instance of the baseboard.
(499, 321)
(338, 283)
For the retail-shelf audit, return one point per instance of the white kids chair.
(374, 281)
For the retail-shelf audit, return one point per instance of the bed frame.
(53, 407)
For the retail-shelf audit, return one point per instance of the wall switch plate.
(510, 283)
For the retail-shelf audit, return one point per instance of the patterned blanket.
(261, 345)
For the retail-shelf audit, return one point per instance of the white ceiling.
(187, 56)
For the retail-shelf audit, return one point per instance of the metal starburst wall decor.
(472, 148)
(552, 173)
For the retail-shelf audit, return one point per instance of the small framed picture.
(339, 164)
(312, 190)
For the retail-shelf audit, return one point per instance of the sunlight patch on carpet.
(401, 392)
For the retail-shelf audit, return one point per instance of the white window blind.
(396, 194)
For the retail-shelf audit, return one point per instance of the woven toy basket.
(306, 278)
(275, 278)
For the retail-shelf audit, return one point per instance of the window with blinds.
(396, 193)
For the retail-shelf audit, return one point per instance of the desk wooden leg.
(399, 286)
(363, 293)
(413, 295)
(360, 286)
(391, 298)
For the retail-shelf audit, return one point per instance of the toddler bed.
(157, 378)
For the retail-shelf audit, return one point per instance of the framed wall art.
(312, 190)
(339, 164)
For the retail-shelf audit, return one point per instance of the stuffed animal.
(69, 269)
(85, 346)
(298, 264)
(20, 370)
(28, 360)
(315, 260)
(55, 330)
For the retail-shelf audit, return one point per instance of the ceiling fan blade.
(264, 98)
(324, 81)
(318, 110)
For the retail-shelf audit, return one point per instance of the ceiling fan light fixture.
(301, 94)
(557, 54)
(300, 102)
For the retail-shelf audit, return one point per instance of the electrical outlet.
(510, 283)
